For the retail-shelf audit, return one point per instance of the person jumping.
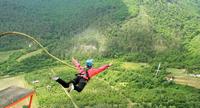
(83, 76)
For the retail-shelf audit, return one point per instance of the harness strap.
(86, 75)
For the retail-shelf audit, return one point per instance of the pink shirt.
(91, 72)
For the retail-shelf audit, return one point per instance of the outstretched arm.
(76, 63)
(101, 69)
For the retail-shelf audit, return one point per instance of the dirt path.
(13, 81)
(188, 80)
(181, 76)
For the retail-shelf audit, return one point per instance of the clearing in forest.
(4, 55)
(28, 55)
(182, 77)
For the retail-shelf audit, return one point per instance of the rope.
(34, 40)
(47, 52)
(75, 105)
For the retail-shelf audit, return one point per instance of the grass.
(98, 97)
(132, 7)
(13, 81)
(100, 93)
(133, 66)
(4, 55)
(28, 55)
(181, 77)
(125, 84)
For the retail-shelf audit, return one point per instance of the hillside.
(142, 30)
(125, 84)
(134, 35)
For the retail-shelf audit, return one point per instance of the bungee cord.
(75, 105)
(3, 34)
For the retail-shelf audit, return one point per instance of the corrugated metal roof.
(13, 94)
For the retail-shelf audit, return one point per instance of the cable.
(75, 105)
(46, 51)
(33, 39)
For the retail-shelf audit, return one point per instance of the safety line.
(75, 105)
(46, 51)
(33, 39)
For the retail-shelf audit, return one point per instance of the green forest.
(134, 35)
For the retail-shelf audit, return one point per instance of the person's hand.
(73, 58)
(110, 64)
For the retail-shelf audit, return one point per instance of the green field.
(34, 53)
(182, 77)
(125, 84)
(94, 88)
(4, 55)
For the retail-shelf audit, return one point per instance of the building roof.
(13, 94)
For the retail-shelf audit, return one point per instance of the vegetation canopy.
(135, 35)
